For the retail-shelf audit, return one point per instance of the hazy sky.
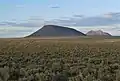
(22, 17)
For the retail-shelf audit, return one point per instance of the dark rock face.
(53, 30)
(98, 33)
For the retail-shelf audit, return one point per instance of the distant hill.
(54, 30)
(98, 33)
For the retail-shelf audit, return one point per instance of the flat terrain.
(60, 59)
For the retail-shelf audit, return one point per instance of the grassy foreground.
(78, 59)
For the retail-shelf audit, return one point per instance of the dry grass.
(78, 59)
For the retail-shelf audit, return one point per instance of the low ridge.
(97, 33)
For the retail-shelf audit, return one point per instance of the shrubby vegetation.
(59, 60)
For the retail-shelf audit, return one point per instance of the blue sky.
(18, 16)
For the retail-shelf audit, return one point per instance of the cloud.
(14, 29)
(109, 22)
(25, 24)
(35, 18)
(20, 6)
(80, 16)
(76, 20)
(55, 7)
(9, 31)
(20, 29)
(33, 21)
(79, 20)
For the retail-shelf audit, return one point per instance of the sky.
(19, 18)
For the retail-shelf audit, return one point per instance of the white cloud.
(9, 31)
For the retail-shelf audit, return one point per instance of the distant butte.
(55, 31)
(97, 33)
